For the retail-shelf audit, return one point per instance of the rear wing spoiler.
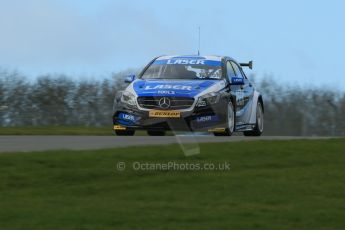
(249, 65)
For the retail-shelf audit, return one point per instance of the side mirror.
(237, 81)
(249, 65)
(130, 78)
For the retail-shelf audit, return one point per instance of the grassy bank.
(55, 130)
(63, 130)
(271, 185)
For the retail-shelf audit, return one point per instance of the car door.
(244, 95)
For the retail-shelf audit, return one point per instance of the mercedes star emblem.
(164, 103)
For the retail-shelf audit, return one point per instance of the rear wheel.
(230, 121)
(125, 132)
(156, 132)
(259, 126)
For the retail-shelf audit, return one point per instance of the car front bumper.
(206, 118)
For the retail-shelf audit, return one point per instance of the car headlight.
(128, 98)
(208, 99)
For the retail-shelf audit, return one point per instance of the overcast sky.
(296, 41)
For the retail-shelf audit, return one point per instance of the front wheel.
(230, 121)
(259, 126)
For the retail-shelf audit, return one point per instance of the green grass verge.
(271, 185)
(60, 130)
(55, 130)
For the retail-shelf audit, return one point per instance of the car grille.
(175, 102)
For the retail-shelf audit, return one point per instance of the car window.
(184, 68)
(230, 70)
(237, 70)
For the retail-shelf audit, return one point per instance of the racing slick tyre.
(259, 126)
(125, 132)
(230, 121)
(155, 133)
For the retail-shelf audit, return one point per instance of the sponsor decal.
(159, 113)
(187, 61)
(236, 79)
(240, 97)
(217, 130)
(207, 119)
(119, 127)
(166, 86)
(181, 88)
(126, 116)
(166, 92)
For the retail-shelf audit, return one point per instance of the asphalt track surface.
(44, 143)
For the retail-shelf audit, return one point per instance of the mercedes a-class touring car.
(190, 93)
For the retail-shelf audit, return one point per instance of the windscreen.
(184, 68)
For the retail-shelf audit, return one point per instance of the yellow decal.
(164, 113)
(220, 130)
(119, 127)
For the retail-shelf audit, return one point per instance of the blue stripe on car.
(187, 61)
(176, 88)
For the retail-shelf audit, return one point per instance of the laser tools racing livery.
(190, 93)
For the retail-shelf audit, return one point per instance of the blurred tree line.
(302, 111)
(59, 100)
(56, 100)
